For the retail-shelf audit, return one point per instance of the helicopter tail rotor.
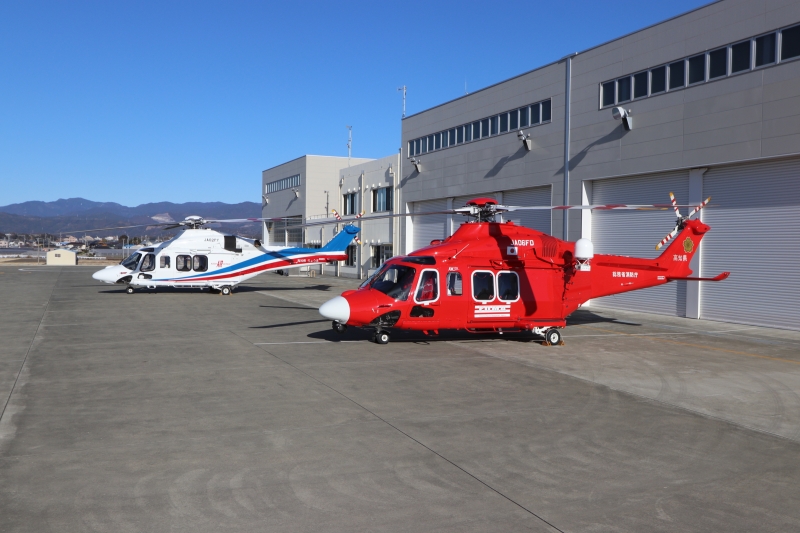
(681, 219)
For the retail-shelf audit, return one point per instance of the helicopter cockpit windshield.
(132, 260)
(394, 281)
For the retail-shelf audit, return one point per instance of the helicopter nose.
(336, 309)
(107, 275)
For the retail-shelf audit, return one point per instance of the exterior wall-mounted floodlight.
(296, 193)
(265, 198)
(619, 113)
(417, 164)
(526, 140)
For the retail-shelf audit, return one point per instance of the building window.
(380, 254)
(765, 50)
(524, 117)
(546, 111)
(351, 256)
(382, 199)
(503, 123)
(718, 63)
(697, 69)
(640, 85)
(609, 93)
(282, 184)
(743, 56)
(677, 78)
(790, 43)
(658, 80)
(350, 203)
(740, 57)
(623, 89)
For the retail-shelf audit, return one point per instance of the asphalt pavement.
(186, 411)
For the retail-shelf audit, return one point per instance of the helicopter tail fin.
(678, 255)
(342, 239)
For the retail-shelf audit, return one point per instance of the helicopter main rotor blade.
(598, 207)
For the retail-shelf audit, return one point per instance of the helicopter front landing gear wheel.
(552, 337)
(226, 290)
(382, 337)
(129, 290)
(338, 327)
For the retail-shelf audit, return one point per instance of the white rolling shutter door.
(429, 227)
(636, 233)
(754, 235)
(538, 220)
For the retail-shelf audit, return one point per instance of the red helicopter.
(497, 277)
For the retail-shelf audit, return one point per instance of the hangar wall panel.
(635, 234)
(754, 235)
(429, 227)
(538, 220)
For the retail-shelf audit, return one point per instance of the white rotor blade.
(699, 207)
(666, 239)
(675, 205)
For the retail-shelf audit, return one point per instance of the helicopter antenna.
(349, 143)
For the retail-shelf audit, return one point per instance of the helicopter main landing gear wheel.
(338, 327)
(129, 290)
(382, 337)
(226, 290)
(552, 337)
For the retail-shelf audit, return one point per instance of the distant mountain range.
(78, 214)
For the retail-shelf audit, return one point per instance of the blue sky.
(137, 102)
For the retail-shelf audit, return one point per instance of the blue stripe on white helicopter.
(201, 257)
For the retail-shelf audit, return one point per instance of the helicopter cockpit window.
(149, 263)
(163, 261)
(132, 260)
(507, 287)
(395, 281)
(183, 263)
(483, 286)
(454, 283)
(428, 288)
(200, 263)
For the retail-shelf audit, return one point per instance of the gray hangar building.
(703, 104)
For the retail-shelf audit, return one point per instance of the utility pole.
(349, 143)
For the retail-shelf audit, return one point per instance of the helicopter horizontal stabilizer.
(718, 277)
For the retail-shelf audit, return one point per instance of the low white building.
(62, 256)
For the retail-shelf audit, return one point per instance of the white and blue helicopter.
(201, 257)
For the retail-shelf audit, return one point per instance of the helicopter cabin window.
(428, 287)
(183, 263)
(230, 244)
(149, 263)
(394, 281)
(507, 286)
(132, 260)
(200, 263)
(483, 286)
(454, 283)
(163, 261)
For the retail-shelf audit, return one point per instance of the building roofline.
(314, 155)
(573, 54)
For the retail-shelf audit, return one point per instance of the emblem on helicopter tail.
(688, 245)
